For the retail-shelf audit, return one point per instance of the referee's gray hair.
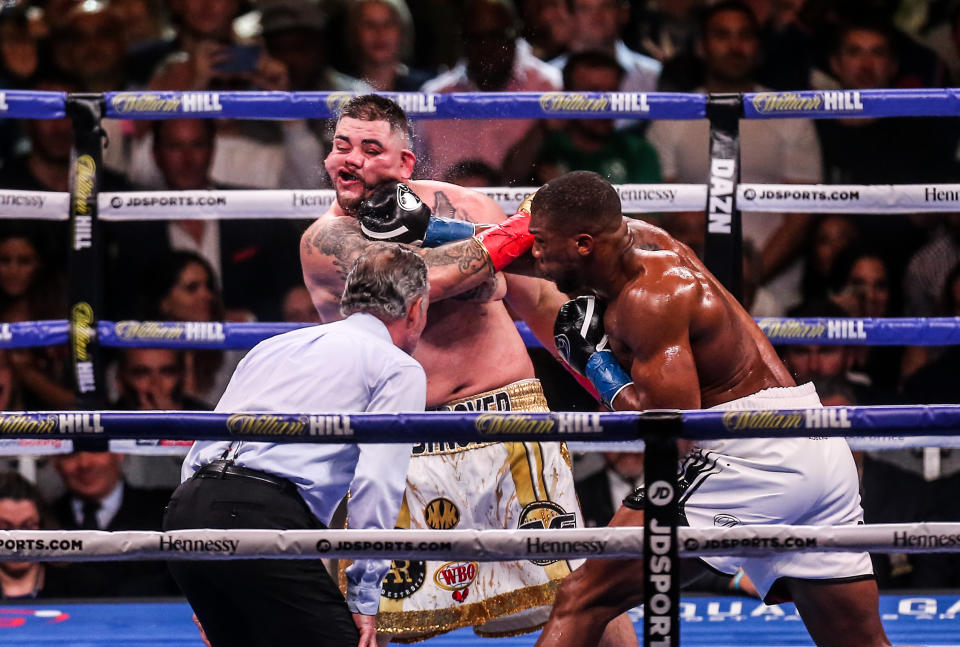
(384, 282)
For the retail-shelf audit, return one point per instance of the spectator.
(596, 27)
(494, 61)
(296, 33)
(91, 42)
(757, 300)
(20, 56)
(153, 379)
(778, 151)
(150, 379)
(584, 144)
(21, 508)
(29, 291)
(927, 270)
(381, 37)
(183, 287)
(919, 484)
(298, 306)
(861, 284)
(832, 235)
(248, 255)
(547, 26)
(860, 151)
(662, 30)
(473, 173)
(98, 498)
(47, 165)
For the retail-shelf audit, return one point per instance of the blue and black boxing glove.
(394, 213)
(582, 344)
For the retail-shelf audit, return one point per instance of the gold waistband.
(522, 395)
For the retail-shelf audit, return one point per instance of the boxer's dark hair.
(579, 201)
(384, 282)
(373, 107)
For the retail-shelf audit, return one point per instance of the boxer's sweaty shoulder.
(328, 249)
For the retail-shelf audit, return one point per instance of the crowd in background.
(192, 270)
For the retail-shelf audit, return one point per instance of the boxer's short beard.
(351, 204)
(569, 281)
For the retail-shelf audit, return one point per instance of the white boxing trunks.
(796, 481)
(481, 485)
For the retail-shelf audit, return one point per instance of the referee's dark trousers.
(256, 602)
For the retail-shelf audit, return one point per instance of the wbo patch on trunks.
(457, 578)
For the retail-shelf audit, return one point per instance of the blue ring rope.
(463, 105)
(936, 331)
(32, 104)
(463, 427)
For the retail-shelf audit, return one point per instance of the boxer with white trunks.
(471, 349)
(671, 337)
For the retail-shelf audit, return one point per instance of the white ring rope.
(469, 545)
(636, 198)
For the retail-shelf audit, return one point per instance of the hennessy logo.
(441, 514)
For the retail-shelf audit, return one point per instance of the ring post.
(85, 258)
(722, 249)
(661, 565)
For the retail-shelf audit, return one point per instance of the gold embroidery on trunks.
(428, 623)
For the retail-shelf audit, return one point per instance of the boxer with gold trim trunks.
(481, 485)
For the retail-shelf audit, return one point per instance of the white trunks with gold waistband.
(481, 485)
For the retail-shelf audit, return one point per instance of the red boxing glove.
(510, 239)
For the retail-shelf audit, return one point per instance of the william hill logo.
(191, 331)
(825, 101)
(18, 423)
(511, 423)
(791, 329)
(821, 418)
(582, 102)
(139, 102)
(268, 424)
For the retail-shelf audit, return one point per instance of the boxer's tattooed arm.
(340, 241)
(649, 246)
(483, 292)
(442, 206)
(467, 256)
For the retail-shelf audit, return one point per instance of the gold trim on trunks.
(429, 623)
(523, 395)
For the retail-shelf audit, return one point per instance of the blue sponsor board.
(705, 622)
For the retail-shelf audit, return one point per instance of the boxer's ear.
(407, 161)
(584, 244)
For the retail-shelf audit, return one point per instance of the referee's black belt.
(224, 469)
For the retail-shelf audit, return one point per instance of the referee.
(361, 363)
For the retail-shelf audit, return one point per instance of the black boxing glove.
(394, 213)
(582, 344)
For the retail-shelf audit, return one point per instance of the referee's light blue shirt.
(341, 367)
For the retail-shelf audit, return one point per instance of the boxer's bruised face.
(364, 154)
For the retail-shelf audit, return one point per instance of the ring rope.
(462, 427)
(185, 335)
(137, 206)
(815, 104)
(470, 545)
